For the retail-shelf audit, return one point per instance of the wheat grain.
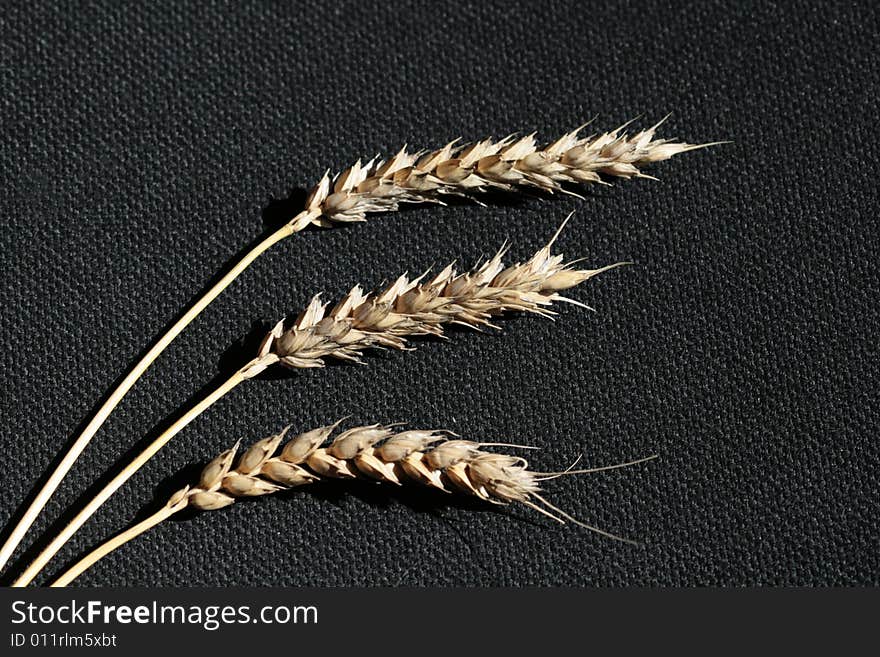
(381, 186)
(378, 453)
(362, 321)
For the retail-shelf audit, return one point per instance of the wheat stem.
(61, 539)
(61, 470)
(117, 541)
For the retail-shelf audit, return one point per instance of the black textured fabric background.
(145, 145)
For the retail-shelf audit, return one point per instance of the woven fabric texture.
(144, 145)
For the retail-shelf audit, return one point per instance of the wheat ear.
(375, 452)
(383, 319)
(381, 186)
